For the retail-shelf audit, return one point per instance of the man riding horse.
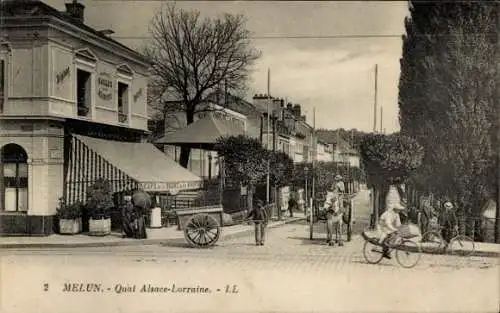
(334, 207)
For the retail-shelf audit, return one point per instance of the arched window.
(14, 178)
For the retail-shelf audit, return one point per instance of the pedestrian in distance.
(128, 218)
(448, 221)
(259, 217)
(292, 203)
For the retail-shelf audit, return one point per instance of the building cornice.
(45, 23)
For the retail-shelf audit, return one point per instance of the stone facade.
(43, 53)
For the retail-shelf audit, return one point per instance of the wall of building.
(43, 142)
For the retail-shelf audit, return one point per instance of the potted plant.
(70, 217)
(99, 203)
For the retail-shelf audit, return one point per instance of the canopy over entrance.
(203, 133)
(143, 162)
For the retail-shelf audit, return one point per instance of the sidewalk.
(481, 249)
(167, 236)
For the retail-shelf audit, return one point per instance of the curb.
(121, 243)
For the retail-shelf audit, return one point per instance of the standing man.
(259, 216)
(128, 218)
(448, 220)
(142, 204)
(292, 203)
(338, 185)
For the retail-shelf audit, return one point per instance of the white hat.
(338, 177)
(397, 206)
(448, 205)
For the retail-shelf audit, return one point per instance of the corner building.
(62, 84)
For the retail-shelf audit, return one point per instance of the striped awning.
(143, 162)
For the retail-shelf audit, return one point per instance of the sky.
(336, 76)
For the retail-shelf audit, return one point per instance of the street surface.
(290, 273)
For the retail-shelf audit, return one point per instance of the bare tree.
(193, 57)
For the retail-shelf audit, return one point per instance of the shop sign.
(164, 186)
(62, 75)
(105, 86)
(138, 94)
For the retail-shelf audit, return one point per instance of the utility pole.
(375, 101)
(313, 196)
(268, 132)
(375, 192)
(381, 118)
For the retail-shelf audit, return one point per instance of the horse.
(333, 207)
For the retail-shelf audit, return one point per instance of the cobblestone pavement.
(288, 274)
(287, 246)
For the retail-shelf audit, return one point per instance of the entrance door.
(14, 179)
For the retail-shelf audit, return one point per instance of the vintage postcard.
(249, 156)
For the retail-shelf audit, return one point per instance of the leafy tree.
(245, 160)
(99, 199)
(192, 57)
(448, 97)
(281, 169)
(352, 136)
(389, 160)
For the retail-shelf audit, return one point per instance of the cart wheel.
(202, 230)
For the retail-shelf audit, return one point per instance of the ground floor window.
(14, 179)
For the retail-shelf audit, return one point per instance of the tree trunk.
(497, 209)
(250, 193)
(375, 202)
(186, 151)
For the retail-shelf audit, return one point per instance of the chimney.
(296, 110)
(75, 10)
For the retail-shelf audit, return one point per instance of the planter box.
(99, 227)
(70, 227)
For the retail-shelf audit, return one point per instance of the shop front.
(39, 168)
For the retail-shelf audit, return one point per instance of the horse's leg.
(330, 228)
(340, 231)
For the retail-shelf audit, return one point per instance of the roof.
(235, 103)
(143, 162)
(345, 147)
(203, 133)
(37, 8)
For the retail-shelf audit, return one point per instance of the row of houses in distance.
(288, 131)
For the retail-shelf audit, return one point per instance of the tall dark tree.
(448, 97)
(193, 57)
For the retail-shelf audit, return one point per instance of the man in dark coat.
(292, 204)
(259, 216)
(448, 221)
(128, 218)
(142, 204)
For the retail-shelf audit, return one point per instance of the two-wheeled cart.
(201, 225)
